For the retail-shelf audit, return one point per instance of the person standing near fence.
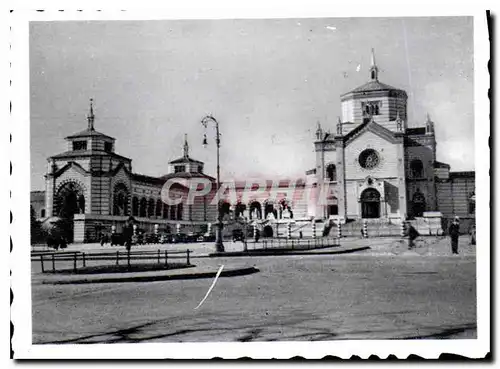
(454, 232)
(128, 232)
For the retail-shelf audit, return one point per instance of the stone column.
(341, 183)
(401, 176)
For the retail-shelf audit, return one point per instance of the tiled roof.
(89, 133)
(185, 175)
(373, 86)
(185, 160)
(79, 153)
(147, 179)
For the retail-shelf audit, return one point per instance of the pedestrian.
(454, 232)
(300, 234)
(473, 235)
(412, 235)
(103, 239)
(257, 235)
(128, 232)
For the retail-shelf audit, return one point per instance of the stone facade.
(97, 188)
(374, 166)
(378, 167)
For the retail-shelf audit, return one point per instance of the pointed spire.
(339, 126)
(186, 146)
(429, 124)
(319, 132)
(399, 122)
(373, 64)
(91, 117)
(373, 67)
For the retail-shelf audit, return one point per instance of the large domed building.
(377, 166)
(373, 165)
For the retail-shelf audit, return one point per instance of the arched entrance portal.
(269, 209)
(255, 210)
(239, 210)
(370, 203)
(69, 201)
(418, 204)
(267, 231)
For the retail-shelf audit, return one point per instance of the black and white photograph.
(220, 186)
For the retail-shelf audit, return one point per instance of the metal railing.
(295, 244)
(374, 229)
(81, 259)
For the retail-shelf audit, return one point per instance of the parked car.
(238, 235)
(117, 239)
(138, 239)
(150, 238)
(209, 237)
(193, 237)
(180, 238)
(165, 238)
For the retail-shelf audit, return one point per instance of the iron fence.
(80, 259)
(295, 244)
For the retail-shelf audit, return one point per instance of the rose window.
(369, 159)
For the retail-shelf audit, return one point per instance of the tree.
(36, 227)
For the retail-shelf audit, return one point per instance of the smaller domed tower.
(374, 101)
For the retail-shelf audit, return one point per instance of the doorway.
(370, 203)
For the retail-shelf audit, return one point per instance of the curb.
(282, 253)
(156, 278)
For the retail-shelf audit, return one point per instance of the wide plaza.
(373, 294)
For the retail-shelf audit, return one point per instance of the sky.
(267, 82)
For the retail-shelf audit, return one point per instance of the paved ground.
(369, 295)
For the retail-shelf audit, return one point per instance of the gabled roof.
(69, 165)
(186, 175)
(371, 126)
(374, 86)
(84, 153)
(147, 179)
(89, 133)
(185, 160)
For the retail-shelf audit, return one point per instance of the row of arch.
(150, 208)
(370, 203)
(143, 207)
(256, 210)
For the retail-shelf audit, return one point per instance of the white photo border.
(19, 184)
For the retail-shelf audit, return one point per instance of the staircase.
(375, 227)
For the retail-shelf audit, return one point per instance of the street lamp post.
(219, 246)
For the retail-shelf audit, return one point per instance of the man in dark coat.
(454, 232)
(128, 232)
(412, 235)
